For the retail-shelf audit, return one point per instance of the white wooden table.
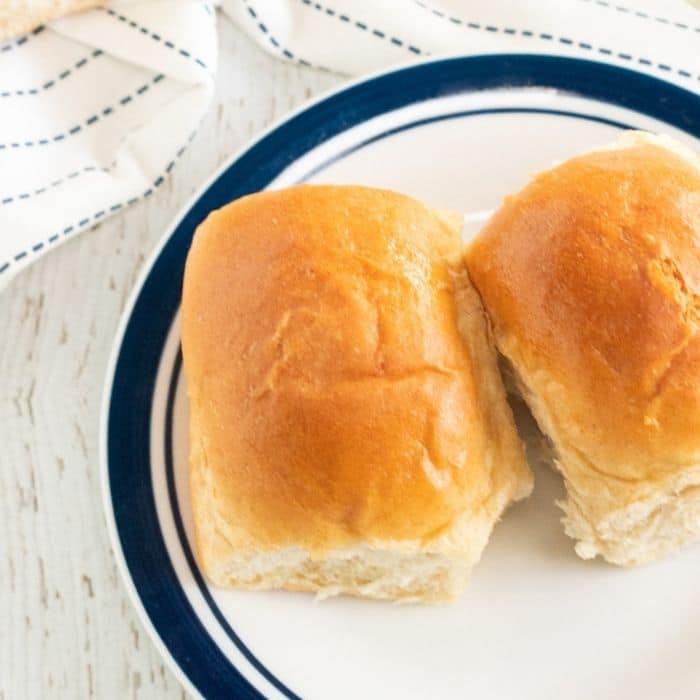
(67, 628)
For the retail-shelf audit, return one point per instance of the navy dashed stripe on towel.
(158, 38)
(603, 50)
(92, 119)
(644, 15)
(94, 218)
(46, 188)
(278, 46)
(4, 48)
(361, 25)
(51, 83)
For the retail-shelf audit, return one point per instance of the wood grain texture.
(67, 628)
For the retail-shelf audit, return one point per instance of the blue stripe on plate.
(456, 115)
(129, 407)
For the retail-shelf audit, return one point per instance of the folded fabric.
(96, 108)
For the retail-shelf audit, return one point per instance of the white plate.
(535, 622)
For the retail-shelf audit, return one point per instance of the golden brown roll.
(349, 431)
(591, 277)
(19, 16)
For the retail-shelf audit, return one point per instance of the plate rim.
(177, 220)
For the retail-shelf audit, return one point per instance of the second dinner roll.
(18, 16)
(591, 276)
(349, 431)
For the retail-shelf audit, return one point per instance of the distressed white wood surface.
(67, 628)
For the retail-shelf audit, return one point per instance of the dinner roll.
(591, 278)
(18, 16)
(348, 429)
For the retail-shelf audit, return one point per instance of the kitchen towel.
(97, 108)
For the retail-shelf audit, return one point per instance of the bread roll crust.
(591, 275)
(333, 401)
(19, 16)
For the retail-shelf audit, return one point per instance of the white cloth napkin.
(97, 108)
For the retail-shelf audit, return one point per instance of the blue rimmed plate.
(535, 622)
